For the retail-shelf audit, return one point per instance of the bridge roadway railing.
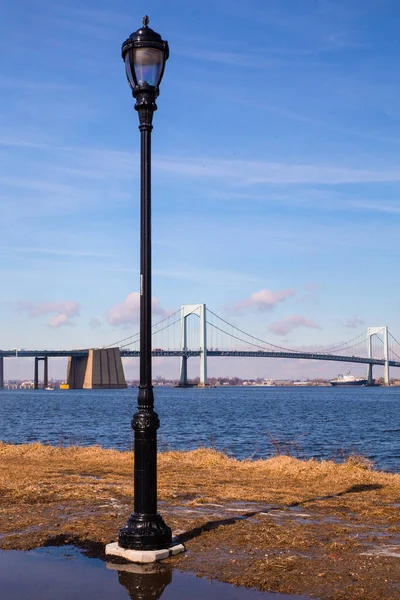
(51, 353)
(238, 353)
(266, 354)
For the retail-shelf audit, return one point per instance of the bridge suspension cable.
(136, 335)
(223, 331)
(344, 345)
(154, 332)
(398, 344)
(344, 348)
(280, 348)
(330, 350)
(240, 339)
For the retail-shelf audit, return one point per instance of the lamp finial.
(146, 20)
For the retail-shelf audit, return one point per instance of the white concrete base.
(143, 556)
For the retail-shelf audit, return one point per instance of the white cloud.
(59, 320)
(128, 311)
(290, 323)
(263, 300)
(64, 311)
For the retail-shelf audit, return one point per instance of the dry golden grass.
(36, 472)
(84, 495)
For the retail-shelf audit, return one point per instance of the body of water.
(66, 574)
(242, 421)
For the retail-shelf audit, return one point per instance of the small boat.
(49, 389)
(348, 380)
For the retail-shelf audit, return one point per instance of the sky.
(276, 173)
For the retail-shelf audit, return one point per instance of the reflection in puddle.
(147, 586)
(64, 573)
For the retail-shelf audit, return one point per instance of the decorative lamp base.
(145, 532)
(143, 556)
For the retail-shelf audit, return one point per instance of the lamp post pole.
(145, 53)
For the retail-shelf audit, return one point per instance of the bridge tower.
(200, 310)
(376, 331)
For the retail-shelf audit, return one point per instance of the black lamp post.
(145, 54)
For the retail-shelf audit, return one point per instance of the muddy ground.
(316, 528)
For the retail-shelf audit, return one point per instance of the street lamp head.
(145, 55)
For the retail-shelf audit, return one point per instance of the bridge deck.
(189, 353)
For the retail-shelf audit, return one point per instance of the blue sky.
(276, 153)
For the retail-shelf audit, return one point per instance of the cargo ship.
(348, 380)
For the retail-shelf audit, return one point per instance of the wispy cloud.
(310, 293)
(263, 300)
(36, 86)
(341, 39)
(290, 323)
(22, 143)
(354, 322)
(36, 185)
(374, 206)
(262, 60)
(64, 311)
(127, 312)
(61, 252)
(248, 172)
(199, 275)
(101, 164)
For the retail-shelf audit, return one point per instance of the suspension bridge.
(195, 331)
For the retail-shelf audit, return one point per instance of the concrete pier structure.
(45, 359)
(36, 374)
(101, 369)
(1, 373)
(370, 376)
(76, 370)
(46, 372)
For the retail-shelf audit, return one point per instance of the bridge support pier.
(101, 369)
(1, 372)
(46, 372)
(370, 380)
(36, 374)
(45, 359)
(76, 370)
(183, 379)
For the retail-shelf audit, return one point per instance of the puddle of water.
(215, 511)
(392, 551)
(66, 574)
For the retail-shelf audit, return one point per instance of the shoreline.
(309, 527)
